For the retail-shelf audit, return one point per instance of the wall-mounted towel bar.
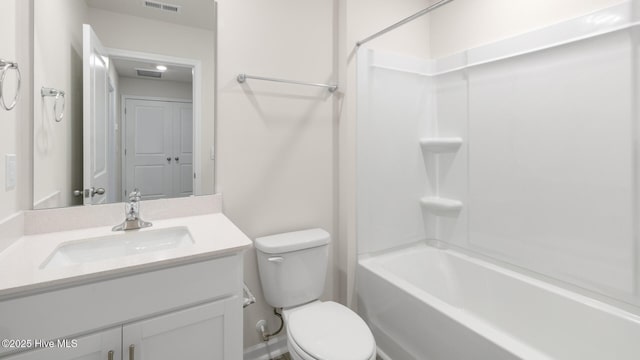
(4, 67)
(243, 77)
(58, 115)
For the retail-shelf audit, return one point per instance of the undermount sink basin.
(118, 245)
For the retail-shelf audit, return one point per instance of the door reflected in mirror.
(134, 79)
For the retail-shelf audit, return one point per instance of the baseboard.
(267, 350)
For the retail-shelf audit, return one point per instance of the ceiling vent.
(149, 73)
(172, 8)
(162, 6)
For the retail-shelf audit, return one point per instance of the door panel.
(149, 148)
(152, 180)
(185, 180)
(95, 115)
(159, 148)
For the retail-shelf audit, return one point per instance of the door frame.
(196, 101)
(123, 132)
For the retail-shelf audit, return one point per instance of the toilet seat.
(329, 331)
(295, 349)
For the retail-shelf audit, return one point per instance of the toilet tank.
(293, 266)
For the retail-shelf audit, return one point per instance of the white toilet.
(293, 268)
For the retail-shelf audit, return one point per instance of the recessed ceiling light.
(161, 68)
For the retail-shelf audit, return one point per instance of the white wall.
(464, 24)
(58, 64)
(155, 88)
(275, 142)
(115, 141)
(139, 34)
(8, 120)
(16, 125)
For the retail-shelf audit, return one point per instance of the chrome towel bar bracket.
(4, 67)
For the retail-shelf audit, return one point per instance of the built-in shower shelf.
(441, 206)
(441, 144)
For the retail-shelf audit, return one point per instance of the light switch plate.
(10, 171)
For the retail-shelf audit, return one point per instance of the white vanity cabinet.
(209, 331)
(101, 345)
(178, 311)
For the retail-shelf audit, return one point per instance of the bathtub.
(433, 304)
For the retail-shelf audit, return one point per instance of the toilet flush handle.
(278, 259)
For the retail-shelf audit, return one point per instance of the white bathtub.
(431, 304)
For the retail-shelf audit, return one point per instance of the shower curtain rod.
(404, 21)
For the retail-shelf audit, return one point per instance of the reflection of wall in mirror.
(8, 126)
(128, 32)
(57, 149)
(58, 63)
(114, 162)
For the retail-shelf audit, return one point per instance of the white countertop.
(214, 235)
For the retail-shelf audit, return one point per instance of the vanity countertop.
(21, 264)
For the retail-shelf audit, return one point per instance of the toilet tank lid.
(292, 241)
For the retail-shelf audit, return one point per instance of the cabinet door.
(91, 347)
(209, 331)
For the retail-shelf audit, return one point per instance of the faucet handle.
(135, 195)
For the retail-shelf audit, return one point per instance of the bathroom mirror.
(124, 99)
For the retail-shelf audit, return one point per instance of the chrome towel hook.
(4, 66)
(58, 115)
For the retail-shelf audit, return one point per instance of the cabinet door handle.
(168, 158)
(176, 159)
(110, 355)
(132, 350)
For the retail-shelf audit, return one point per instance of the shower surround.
(522, 154)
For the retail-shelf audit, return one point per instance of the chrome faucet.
(132, 212)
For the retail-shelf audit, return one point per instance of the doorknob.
(177, 159)
(93, 192)
(77, 192)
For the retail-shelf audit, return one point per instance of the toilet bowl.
(292, 269)
(328, 330)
